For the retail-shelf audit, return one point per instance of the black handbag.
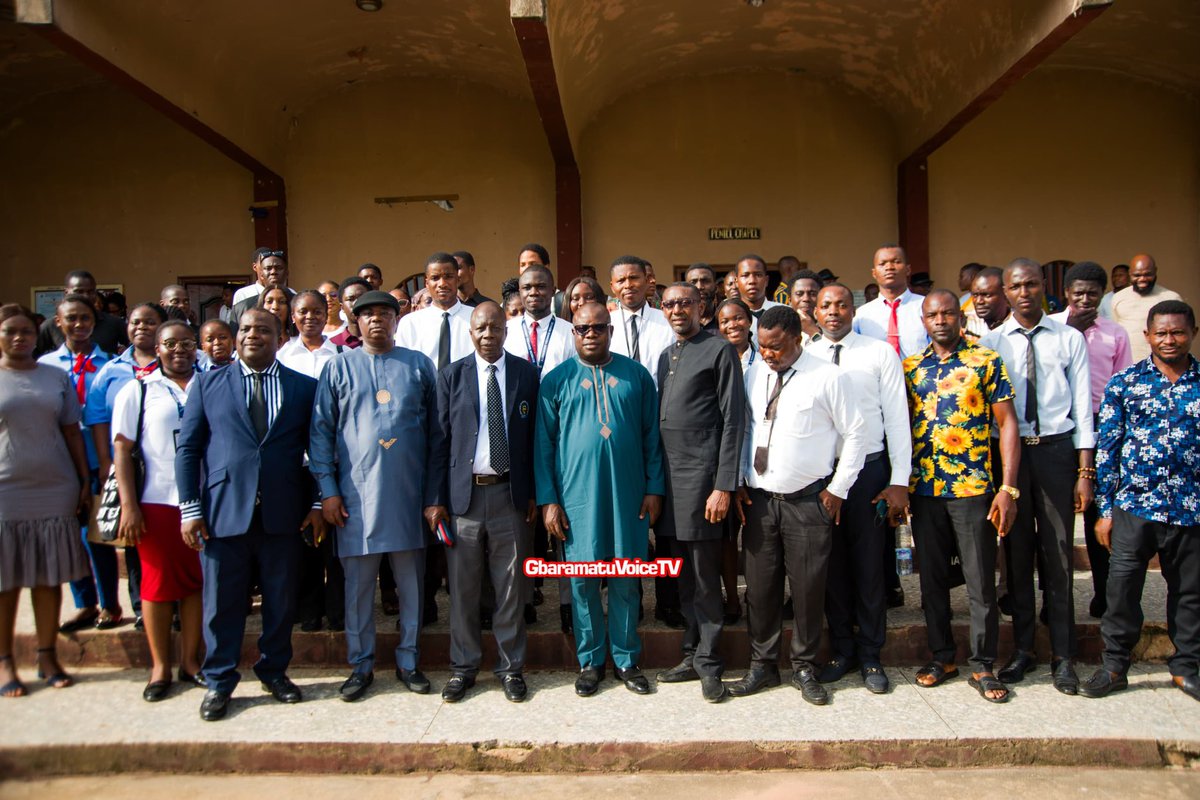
(108, 511)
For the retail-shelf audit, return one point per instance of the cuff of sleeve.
(328, 486)
(316, 506)
(190, 510)
(838, 490)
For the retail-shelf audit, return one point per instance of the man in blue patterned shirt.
(1148, 493)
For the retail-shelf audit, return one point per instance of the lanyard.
(753, 353)
(175, 397)
(545, 342)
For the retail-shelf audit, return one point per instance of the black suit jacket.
(452, 444)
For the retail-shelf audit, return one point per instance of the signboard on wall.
(722, 234)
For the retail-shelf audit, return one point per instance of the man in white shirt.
(1120, 279)
(988, 301)
(895, 316)
(639, 331)
(441, 330)
(802, 415)
(752, 280)
(260, 282)
(271, 267)
(1047, 363)
(1131, 305)
(854, 593)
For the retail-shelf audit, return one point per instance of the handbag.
(108, 510)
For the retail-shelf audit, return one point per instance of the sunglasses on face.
(683, 302)
(600, 328)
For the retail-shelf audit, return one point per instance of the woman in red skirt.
(170, 569)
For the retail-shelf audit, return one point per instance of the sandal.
(987, 682)
(937, 671)
(13, 688)
(60, 679)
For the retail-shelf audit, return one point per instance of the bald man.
(1131, 305)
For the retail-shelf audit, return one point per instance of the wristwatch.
(1012, 491)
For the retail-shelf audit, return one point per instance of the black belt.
(809, 492)
(1034, 441)
(875, 456)
(490, 480)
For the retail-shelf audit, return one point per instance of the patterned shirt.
(951, 403)
(1148, 456)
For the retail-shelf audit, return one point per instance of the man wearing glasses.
(702, 409)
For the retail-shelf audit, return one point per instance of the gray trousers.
(492, 538)
(793, 538)
(409, 568)
(701, 603)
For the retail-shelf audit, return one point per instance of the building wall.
(417, 137)
(1074, 165)
(812, 166)
(94, 179)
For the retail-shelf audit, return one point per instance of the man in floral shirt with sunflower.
(955, 390)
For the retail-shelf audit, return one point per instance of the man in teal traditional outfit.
(599, 475)
(374, 410)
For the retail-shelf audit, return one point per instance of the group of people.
(314, 444)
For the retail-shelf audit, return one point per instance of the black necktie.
(444, 341)
(258, 407)
(837, 354)
(497, 440)
(1031, 401)
(760, 453)
(634, 350)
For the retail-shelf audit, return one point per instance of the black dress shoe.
(337, 625)
(810, 688)
(836, 668)
(538, 597)
(192, 680)
(356, 686)
(214, 706)
(515, 690)
(456, 688)
(156, 690)
(530, 614)
(1097, 607)
(680, 673)
(1102, 682)
(1004, 603)
(1065, 679)
(1188, 684)
(895, 597)
(713, 690)
(311, 625)
(671, 617)
(139, 624)
(390, 609)
(753, 682)
(414, 680)
(588, 681)
(109, 620)
(283, 690)
(875, 679)
(1016, 668)
(566, 619)
(634, 680)
(81, 621)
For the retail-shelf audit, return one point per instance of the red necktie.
(893, 325)
(83, 365)
(533, 341)
(142, 372)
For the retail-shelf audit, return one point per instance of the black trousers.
(1134, 541)
(1045, 526)
(701, 603)
(322, 584)
(854, 591)
(791, 538)
(666, 590)
(944, 527)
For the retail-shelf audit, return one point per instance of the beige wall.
(813, 167)
(417, 137)
(95, 179)
(1072, 165)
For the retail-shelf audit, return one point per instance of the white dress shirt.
(654, 335)
(295, 355)
(165, 403)
(482, 465)
(872, 320)
(250, 290)
(1064, 382)
(815, 414)
(555, 341)
(422, 330)
(877, 380)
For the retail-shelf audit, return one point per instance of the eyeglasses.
(269, 253)
(600, 328)
(402, 303)
(186, 345)
(683, 302)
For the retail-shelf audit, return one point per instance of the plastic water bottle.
(904, 543)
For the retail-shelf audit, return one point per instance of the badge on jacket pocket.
(523, 409)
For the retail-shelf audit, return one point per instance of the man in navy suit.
(245, 496)
(481, 468)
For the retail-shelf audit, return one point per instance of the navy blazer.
(452, 443)
(219, 460)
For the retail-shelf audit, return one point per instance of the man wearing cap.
(374, 410)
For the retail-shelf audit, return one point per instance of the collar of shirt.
(158, 377)
(1011, 325)
(822, 341)
(297, 344)
(481, 365)
(272, 370)
(542, 323)
(64, 354)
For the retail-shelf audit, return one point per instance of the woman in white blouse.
(310, 351)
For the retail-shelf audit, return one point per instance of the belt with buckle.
(490, 480)
(808, 492)
(1034, 441)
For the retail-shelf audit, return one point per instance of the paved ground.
(1095, 784)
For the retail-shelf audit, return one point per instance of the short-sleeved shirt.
(37, 476)
(951, 403)
(90, 369)
(165, 402)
